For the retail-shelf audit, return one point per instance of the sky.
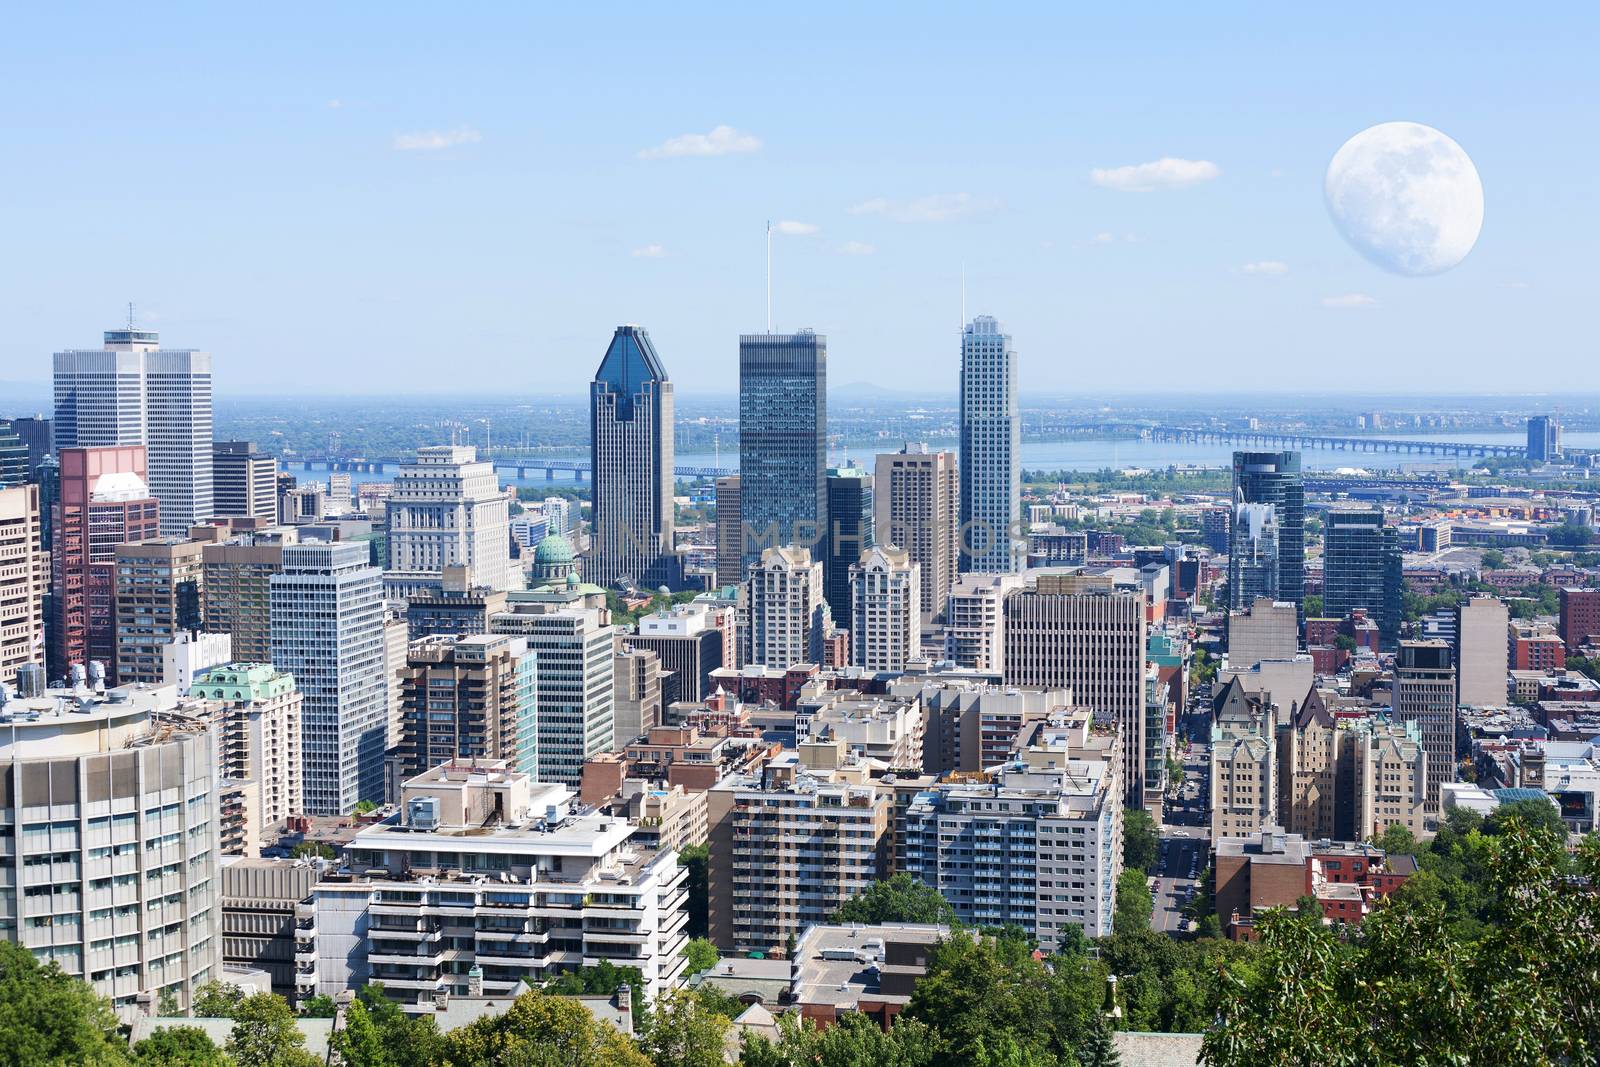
(367, 198)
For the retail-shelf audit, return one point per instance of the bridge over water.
(580, 469)
(1321, 442)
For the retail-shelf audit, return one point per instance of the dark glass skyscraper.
(783, 440)
(13, 457)
(1273, 478)
(1544, 439)
(1361, 568)
(850, 533)
(630, 446)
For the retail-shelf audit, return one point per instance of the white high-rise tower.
(991, 443)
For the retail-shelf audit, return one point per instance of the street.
(1185, 843)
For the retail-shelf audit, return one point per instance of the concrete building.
(236, 582)
(135, 393)
(783, 441)
(457, 607)
(1039, 846)
(159, 594)
(885, 612)
(192, 654)
(974, 725)
(527, 886)
(254, 714)
(1244, 763)
(104, 502)
(789, 846)
(850, 534)
(690, 640)
(1482, 656)
(730, 532)
(974, 621)
(1254, 565)
(1544, 439)
(1425, 693)
(670, 819)
(630, 451)
(637, 678)
(991, 451)
(24, 582)
(891, 731)
(259, 897)
(327, 631)
(466, 700)
(244, 482)
(1079, 632)
(789, 616)
(111, 863)
(917, 506)
(1273, 478)
(867, 970)
(447, 509)
(1261, 630)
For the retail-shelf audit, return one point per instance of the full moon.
(1406, 197)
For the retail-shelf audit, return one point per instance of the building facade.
(1425, 694)
(159, 595)
(885, 610)
(1262, 629)
(254, 714)
(974, 624)
(783, 441)
(917, 507)
(244, 482)
(464, 700)
(730, 532)
(991, 451)
(1483, 664)
(1361, 568)
(24, 582)
(447, 509)
(850, 533)
(1274, 478)
(1254, 567)
(789, 617)
(631, 454)
(690, 640)
(236, 584)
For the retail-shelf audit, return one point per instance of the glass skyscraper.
(850, 533)
(630, 446)
(783, 441)
(1271, 478)
(1361, 568)
(991, 444)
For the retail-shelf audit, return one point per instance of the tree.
(179, 1046)
(359, 1043)
(1134, 903)
(696, 858)
(265, 1035)
(1313, 604)
(1536, 813)
(702, 955)
(313, 850)
(1141, 844)
(408, 1040)
(852, 1041)
(48, 1017)
(541, 1031)
(683, 1033)
(604, 978)
(977, 989)
(1493, 559)
(1097, 1048)
(899, 899)
(216, 1000)
(320, 1006)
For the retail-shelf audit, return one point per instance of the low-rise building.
(1274, 869)
(259, 897)
(870, 970)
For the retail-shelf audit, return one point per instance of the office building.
(159, 587)
(631, 454)
(1425, 693)
(112, 843)
(463, 699)
(259, 897)
(974, 624)
(254, 711)
(1274, 478)
(1483, 663)
(533, 889)
(1080, 633)
(850, 533)
(689, 639)
(24, 582)
(991, 451)
(1361, 568)
(637, 676)
(327, 631)
(730, 563)
(1544, 439)
(885, 611)
(104, 502)
(1253, 563)
(788, 846)
(1215, 524)
(917, 506)
(37, 437)
(457, 607)
(447, 509)
(1580, 617)
(1262, 629)
(783, 441)
(789, 617)
(244, 482)
(14, 469)
(135, 393)
(236, 584)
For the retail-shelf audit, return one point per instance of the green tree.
(702, 955)
(179, 1046)
(977, 989)
(898, 899)
(1493, 559)
(696, 858)
(1141, 844)
(1134, 903)
(1536, 813)
(359, 1043)
(313, 850)
(216, 1000)
(320, 1006)
(1097, 1048)
(541, 1031)
(1313, 604)
(48, 1017)
(265, 1035)
(408, 1040)
(684, 1033)
(604, 978)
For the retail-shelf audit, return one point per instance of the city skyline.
(1162, 235)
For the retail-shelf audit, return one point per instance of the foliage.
(702, 955)
(1096, 1049)
(853, 1040)
(1492, 559)
(685, 1033)
(1141, 844)
(320, 1006)
(715, 1000)
(697, 858)
(604, 978)
(1314, 606)
(404, 1040)
(1573, 535)
(216, 1000)
(365, 807)
(1585, 665)
(264, 1034)
(313, 850)
(179, 1046)
(1344, 642)
(1134, 902)
(49, 1017)
(899, 899)
(541, 1031)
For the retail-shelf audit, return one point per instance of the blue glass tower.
(630, 447)
(783, 441)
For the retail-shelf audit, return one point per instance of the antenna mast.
(769, 275)
(130, 316)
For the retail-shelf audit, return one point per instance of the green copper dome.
(553, 549)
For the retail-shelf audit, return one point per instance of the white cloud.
(939, 207)
(721, 141)
(1103, 238)
(335, 104)
(1349, 300)
(857, 248)
(436, 140)
(1266, 266)
(790, 228)
(1163, 173)
(649, 252)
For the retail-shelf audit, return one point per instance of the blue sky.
(366, 198)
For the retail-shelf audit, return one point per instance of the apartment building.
(236, 587)
(917, 507)
(789, 617)
(253, 709)
(1425, 693)
(24, 581)
(464, 699)
(885, 612)
(974, 621)
(159, 587)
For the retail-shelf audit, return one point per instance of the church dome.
(553, 549)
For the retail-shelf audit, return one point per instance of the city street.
(1185, 844)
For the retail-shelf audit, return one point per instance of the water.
(1091, 455)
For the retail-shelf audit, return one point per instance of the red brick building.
(1580, 616)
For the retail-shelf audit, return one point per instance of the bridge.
(1321, 442)
(580, 469)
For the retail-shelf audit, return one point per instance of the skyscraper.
(783, 441)
(327, 631)
(730, 565)
(1482, 653)
(244, 482)
(1361, 568)
(886, 610)
(991, 447)
(789, 617)
(916, 499)
(630, 448)
(1273, 478)
(159, 586)
(447, 509)
(850, 534)
(1544, 439)
(1425, 693)
(13, 457)
(133, 392)
(1253, 561)
(24, 580)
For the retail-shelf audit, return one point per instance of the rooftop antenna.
(130, 316)
(769, 275)
(963, 297)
